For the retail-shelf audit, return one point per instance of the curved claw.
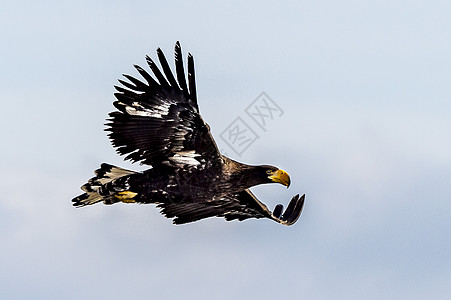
(292, 213)
(277, 210)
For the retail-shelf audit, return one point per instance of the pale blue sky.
(365, 134)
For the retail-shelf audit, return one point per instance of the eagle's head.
(271, 174)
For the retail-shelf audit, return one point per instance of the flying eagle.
(157, 123)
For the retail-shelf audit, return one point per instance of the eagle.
(157, 123)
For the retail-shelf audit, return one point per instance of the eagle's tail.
(104, 187)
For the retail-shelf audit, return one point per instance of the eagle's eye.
(268, 172)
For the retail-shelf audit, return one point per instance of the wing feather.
(163, 82)
(179, 69)
(192, 80)
(158, 122)
(136, 85)
(165, 66)
(239, 206)
(150, 81)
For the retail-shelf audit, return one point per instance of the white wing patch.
(137, 109)
(186, 158)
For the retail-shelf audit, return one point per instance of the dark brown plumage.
(157, 123)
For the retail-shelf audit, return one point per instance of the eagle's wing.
(239, 206)
(158, 122)
(250, 207)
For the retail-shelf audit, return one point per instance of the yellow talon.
(126, 196)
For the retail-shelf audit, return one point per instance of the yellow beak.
(280, 176)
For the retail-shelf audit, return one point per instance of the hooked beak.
(280, 176)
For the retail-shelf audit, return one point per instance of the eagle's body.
(158, 124)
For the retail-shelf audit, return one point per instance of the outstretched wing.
(250, 207)
(158, 122)
(239, 206)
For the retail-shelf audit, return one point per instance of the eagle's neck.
(241, 176)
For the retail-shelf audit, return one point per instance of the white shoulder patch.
(159, 111)
(186, 158)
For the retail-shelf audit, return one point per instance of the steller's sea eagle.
(157, 123)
